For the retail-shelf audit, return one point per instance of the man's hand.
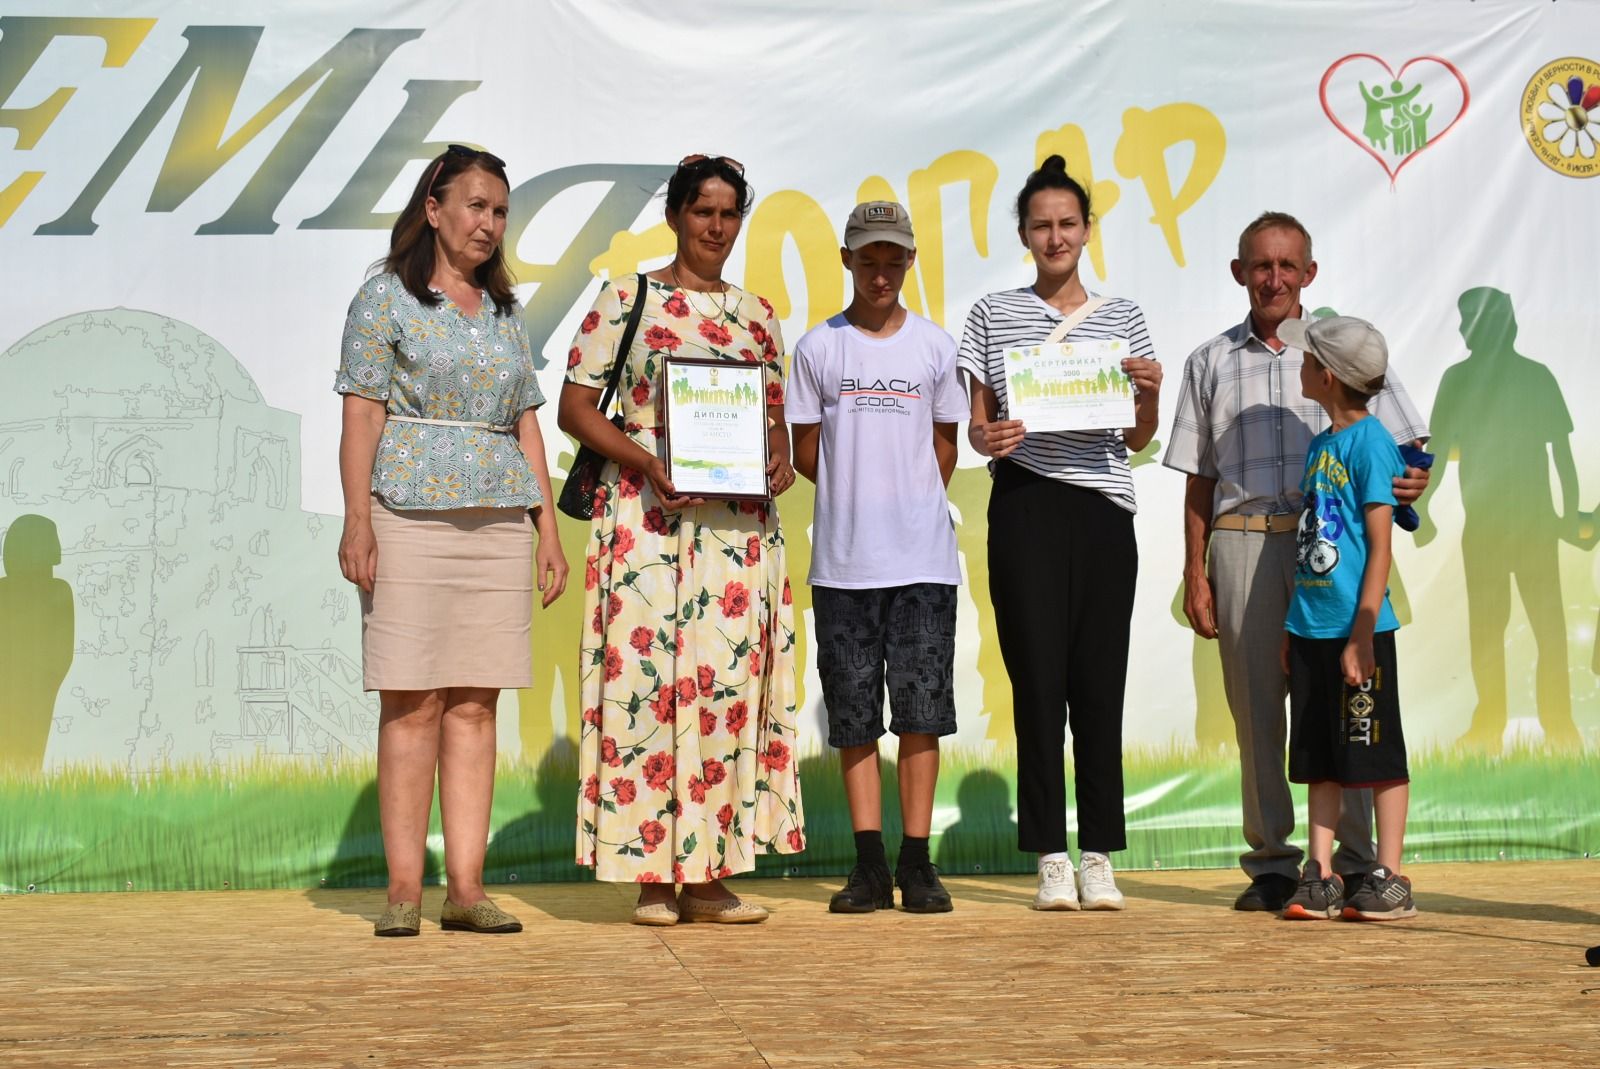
(1411, 485)
(1199, 605)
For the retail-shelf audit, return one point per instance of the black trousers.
(1062, 568)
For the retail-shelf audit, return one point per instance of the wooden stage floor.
(1491, 974)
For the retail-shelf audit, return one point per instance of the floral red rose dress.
(687, 759)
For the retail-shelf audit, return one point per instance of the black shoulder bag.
(583, 479)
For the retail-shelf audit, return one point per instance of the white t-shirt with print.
(882, 518)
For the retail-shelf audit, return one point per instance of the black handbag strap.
(628, 333)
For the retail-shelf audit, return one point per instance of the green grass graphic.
(288, 826)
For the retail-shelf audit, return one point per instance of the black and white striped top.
(1097, 460)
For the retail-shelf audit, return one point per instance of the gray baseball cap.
(878, 220)
(1351, 348)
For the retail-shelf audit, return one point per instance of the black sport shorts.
(1339, 733)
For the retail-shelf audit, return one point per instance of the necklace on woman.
(722, 306)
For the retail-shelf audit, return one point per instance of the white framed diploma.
(716, 428)
(1069, 386)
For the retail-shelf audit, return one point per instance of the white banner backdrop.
(186, 186)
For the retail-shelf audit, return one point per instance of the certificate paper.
(716, 417)
(1069, 386)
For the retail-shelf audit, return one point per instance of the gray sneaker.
(1383, 896)
(1316, 897)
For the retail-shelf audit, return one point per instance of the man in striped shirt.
(1240, 433)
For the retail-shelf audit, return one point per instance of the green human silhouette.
(36, 640)
(1213, 723)
(1376, 128)
(554, 632)
(796, 508)
(984, 836)
(1585, 534)
(969, 492)
(1503, 417)
(1401, 129)
(1418, 118)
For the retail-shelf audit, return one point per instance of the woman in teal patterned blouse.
(445, 484)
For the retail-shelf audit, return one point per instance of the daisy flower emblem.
(1561, 116)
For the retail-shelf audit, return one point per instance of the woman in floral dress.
(687, 759)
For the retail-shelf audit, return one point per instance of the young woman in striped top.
(1062, 558)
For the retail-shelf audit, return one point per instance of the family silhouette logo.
(1394, 115)
(1561, 116)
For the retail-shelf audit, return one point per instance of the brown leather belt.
(1282, 521)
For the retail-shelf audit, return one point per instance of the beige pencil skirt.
(452, 603)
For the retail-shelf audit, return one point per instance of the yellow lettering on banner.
(1071, 144)
(12, 196)
(927, 213)
(1142, 153)
(785, 214)
(23, 40)
(628, 250)
(790, 214)
(209, 77)
(925, 202)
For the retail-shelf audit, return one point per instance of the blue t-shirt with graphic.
(1345, 471)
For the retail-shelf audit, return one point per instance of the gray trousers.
(1252, 575)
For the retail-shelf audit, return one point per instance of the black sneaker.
(1383, 896)
(1317, 898)
(921, 891)
(1266, 894)
(867, 889)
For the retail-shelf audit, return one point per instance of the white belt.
(499, 428)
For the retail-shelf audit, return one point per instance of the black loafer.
(1267, 893)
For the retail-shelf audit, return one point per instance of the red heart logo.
(1396, 76)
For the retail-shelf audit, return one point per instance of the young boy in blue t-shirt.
(1344, 708)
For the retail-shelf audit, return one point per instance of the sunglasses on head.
(701, 157)
(467, 151)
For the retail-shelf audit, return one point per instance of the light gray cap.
(1351, 348)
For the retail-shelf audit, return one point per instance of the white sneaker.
(1056, 888)
(1096, 888)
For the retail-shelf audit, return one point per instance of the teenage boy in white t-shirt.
(874, 402)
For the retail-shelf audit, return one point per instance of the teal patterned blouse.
(441, 364)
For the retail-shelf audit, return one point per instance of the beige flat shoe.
(724, 911)
(401, 918)
(656, 914)
(485, 918)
